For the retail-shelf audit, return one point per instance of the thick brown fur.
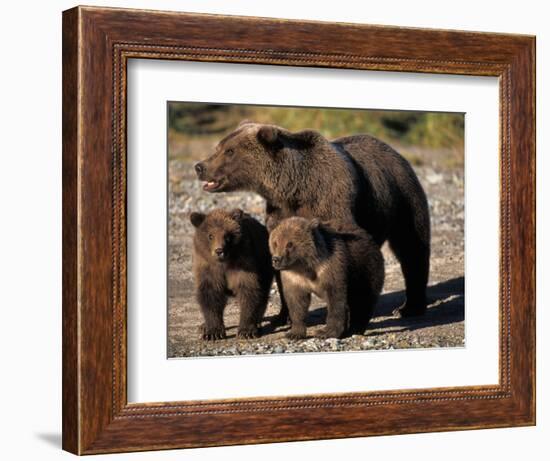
(354, 180)
(231, 258)
(344, 268)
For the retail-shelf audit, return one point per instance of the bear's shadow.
(446, 306)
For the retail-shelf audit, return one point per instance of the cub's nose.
(219, 251)
(199, 168)
(276, 260)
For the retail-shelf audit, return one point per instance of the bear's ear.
(244, 122)
(197, 218)
(306, 138)
(237, 214)
(314, 224)
(268, 134)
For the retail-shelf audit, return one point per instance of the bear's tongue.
(209, 185)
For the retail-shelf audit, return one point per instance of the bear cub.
(345, 268)
(231, 258)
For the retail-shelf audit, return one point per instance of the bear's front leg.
(337, 314)
(273, 217)
(212, 300)
(298, 305)
(252, 301)
(282, 317)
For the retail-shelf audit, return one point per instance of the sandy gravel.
(442, 326)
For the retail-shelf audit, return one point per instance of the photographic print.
(300, 230)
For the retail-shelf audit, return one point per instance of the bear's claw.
(212, 334)
(409, 310)
(248, 333)
(295, 336)
(325, 333)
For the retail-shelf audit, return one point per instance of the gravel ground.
(442, 326)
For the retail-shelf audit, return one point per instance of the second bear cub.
(344, 268)
(231, 258)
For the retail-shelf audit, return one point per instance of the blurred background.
(193, 128)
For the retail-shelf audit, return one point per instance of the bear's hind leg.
(361, 306)
(413, 252)
(338, 315)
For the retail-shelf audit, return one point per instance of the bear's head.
(218, 233)
(250, 157)
(293, 243)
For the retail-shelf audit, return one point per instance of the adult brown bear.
(350, 180)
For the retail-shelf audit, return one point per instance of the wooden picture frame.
(97, 43)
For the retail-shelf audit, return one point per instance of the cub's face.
(219, 232)
(292, 243)
(234, 163)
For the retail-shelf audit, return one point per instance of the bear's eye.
(210, 236)
(229, 152)
(289, 245)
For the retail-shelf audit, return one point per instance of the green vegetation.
(190, 123)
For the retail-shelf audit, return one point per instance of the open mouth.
(211, 186)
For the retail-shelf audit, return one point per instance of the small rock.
(368, 344)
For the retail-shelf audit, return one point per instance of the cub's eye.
(210, 236)
(289, 245)
(228, 238)
(229, 152)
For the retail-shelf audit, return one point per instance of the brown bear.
(231, 258)
(354, 180)
(344, 268)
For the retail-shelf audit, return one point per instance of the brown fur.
(231, 258)
(355, 180)
(344, 268)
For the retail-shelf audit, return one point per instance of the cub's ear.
(197, 218)
(237, 214)
(314, 224)
(271, 223)
(268, 134)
